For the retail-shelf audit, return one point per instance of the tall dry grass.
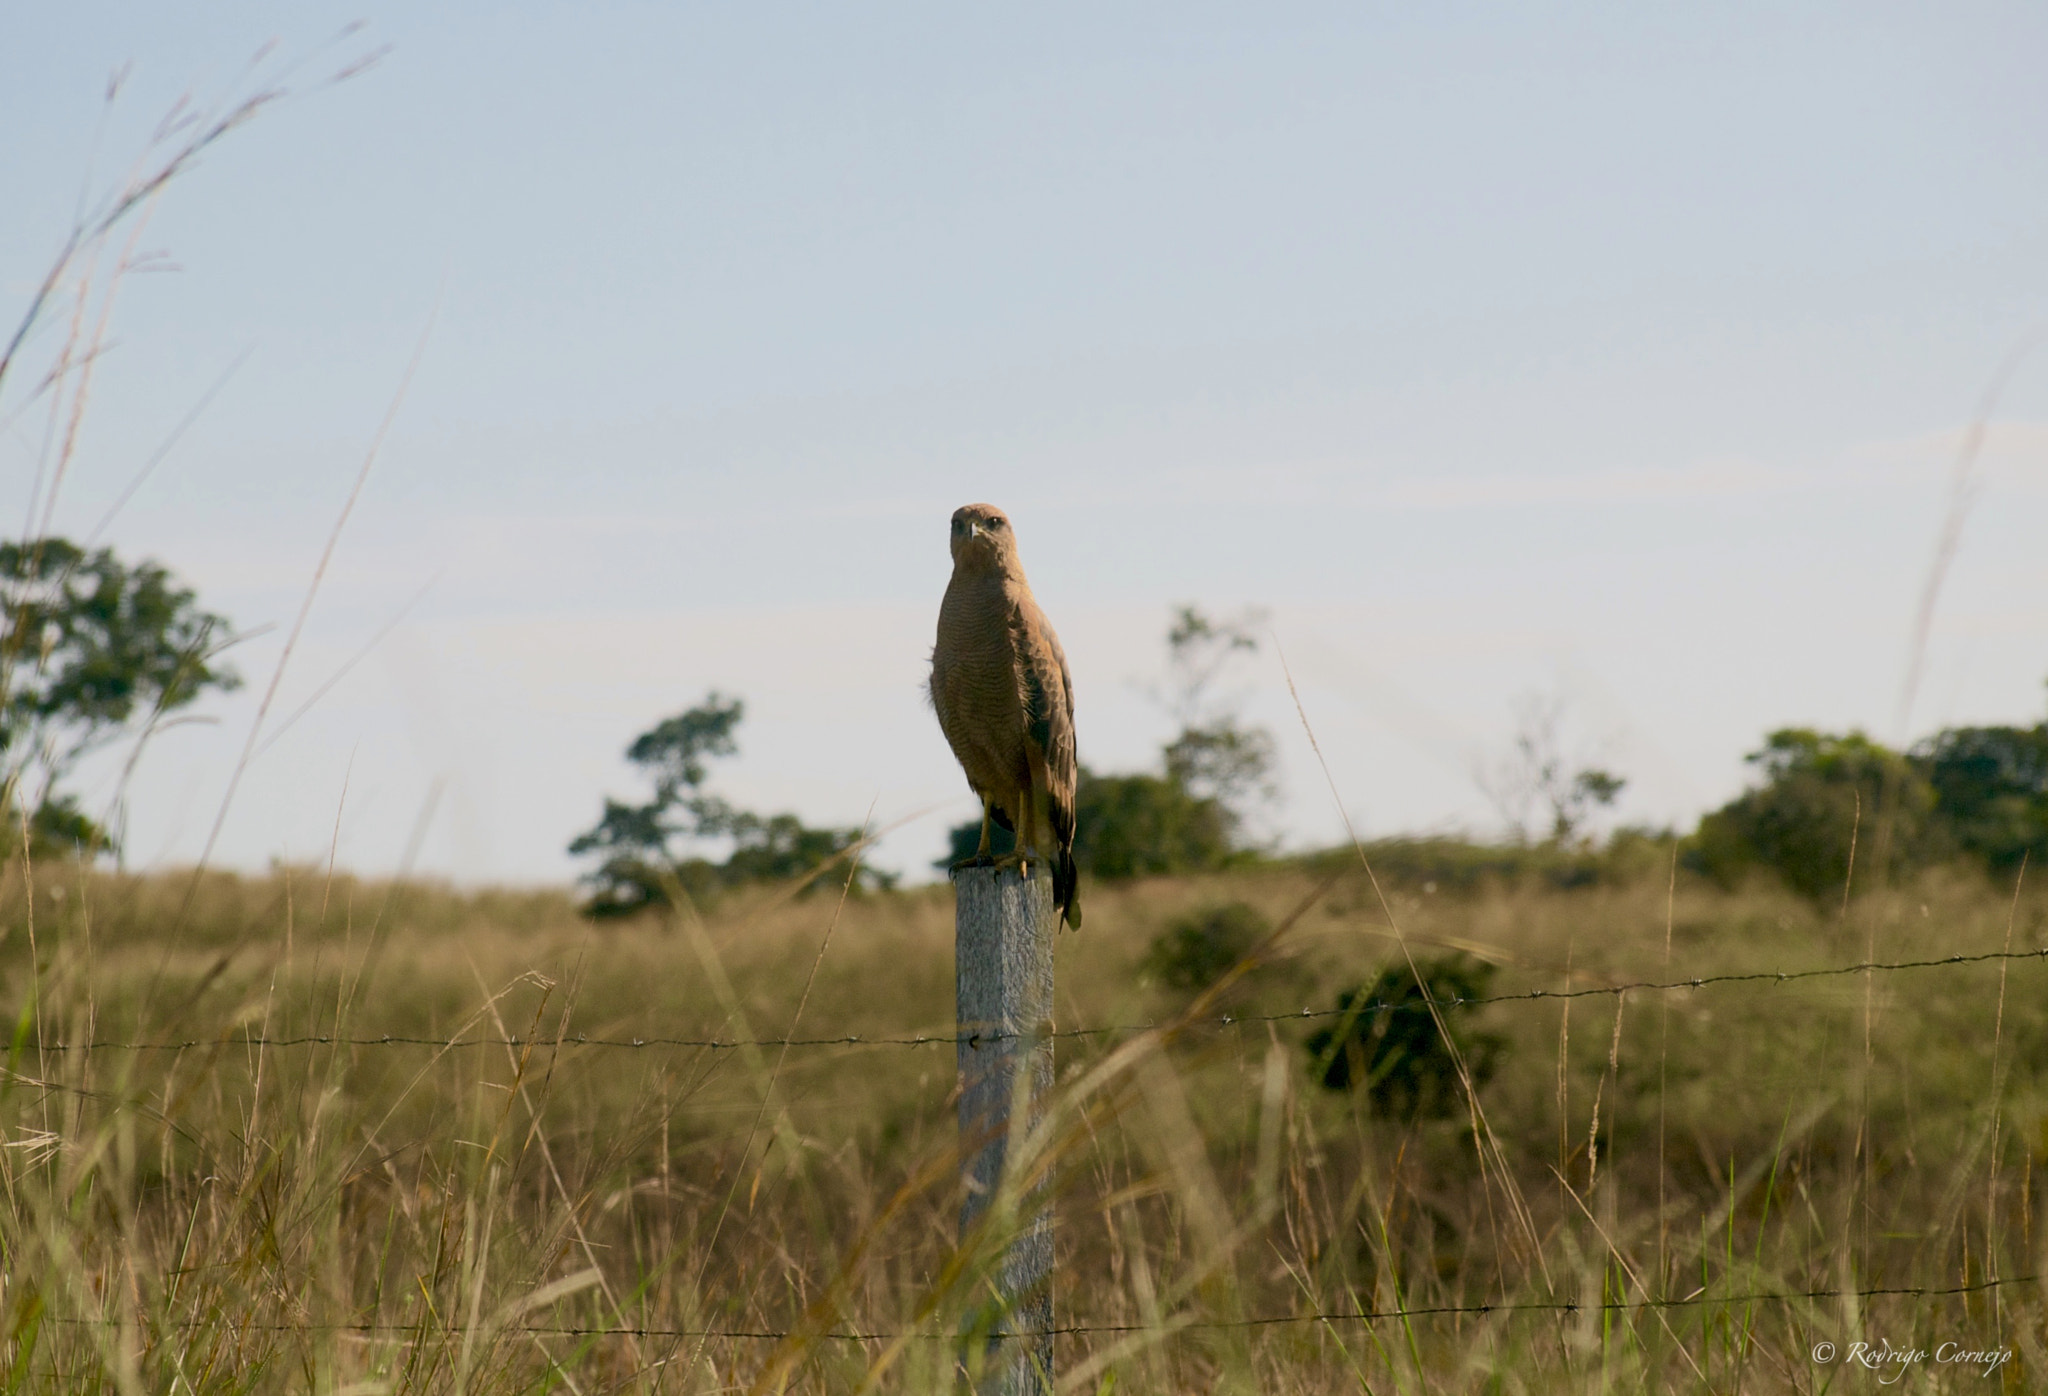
(305, 1133)
(248, 1204)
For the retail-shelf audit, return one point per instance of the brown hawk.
(1006, 704)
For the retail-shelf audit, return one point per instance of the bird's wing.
(1049, 713)
(1049, 705)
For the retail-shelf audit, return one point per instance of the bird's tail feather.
(1066, 888)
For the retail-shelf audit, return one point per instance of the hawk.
(1006, 704)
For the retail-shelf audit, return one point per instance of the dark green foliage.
(646, 849)
(59, 825)
(674, 750)
(1592, 787)
(965, 840)
(1223, 762)
(1195, 950)
(1818, 790)
(92, 648)
(1432, 865)
(1137, 825)
(774, 847)
(627, 882)
(1991, 791)
(1977, 792)
(1389, 1042)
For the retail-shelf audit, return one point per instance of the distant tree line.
(1819, 803)
(1821, 808)
(1823, 799)
(95, 651)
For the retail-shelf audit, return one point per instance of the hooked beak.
(973, 529)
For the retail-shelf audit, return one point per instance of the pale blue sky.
(1605, 349)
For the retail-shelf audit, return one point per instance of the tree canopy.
(1976, 792)
(1990, 786)
(93, 649)
(1545, 777)
(651, 853)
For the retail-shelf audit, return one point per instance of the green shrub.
(1135, 825)
(1463, 865)
(1197, 949)
(963, 839)
(1991, 791)
(1389, 1043)
(1819, 792)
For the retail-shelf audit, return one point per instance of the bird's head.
(983, 540)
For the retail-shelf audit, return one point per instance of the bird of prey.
(1006, 704)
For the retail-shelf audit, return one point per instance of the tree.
(635, 842)
(1141, 825)
(92, 650)
(651, 852)
(1991, 791)
(1817, 794)
(1216, 756)
(1540, 776)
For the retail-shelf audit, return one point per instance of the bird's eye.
(995, 523)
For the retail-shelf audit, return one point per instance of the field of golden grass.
(219, 1176)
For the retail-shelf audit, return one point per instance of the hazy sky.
(1618, 352)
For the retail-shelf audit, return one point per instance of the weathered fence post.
(1002, 949)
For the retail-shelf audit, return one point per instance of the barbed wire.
(1165, 1326)
(1354, 1011)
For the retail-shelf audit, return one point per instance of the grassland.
(247, 1203)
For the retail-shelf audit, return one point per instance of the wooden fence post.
(1002, 958)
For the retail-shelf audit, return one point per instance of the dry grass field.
(240, 1186)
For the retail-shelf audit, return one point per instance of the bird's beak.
(973, 530)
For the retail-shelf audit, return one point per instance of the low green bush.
(1194, 951)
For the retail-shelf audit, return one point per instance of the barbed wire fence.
(563, 1040)
(1561, 1306)
(1222, 1020)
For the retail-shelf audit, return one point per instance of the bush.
(1136, 825)
(1450, 864)
(1991, 791)
(1819, 791)
(964, 839)
(1197, 949)
(1390, 1043)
